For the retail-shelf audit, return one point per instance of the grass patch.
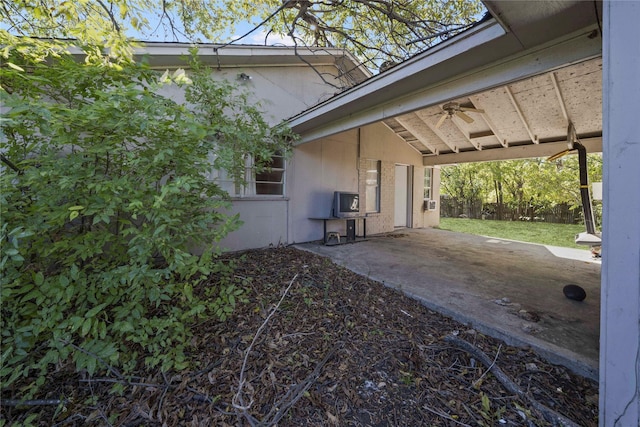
(534, 232)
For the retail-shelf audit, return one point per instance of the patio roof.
(531, 70)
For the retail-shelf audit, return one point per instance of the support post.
(620, 303)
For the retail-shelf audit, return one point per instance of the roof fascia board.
(573, 48)
(172, 54)
(593, 145)
(388, 83)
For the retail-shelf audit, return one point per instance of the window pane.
(269, 188)
(271, 181)
(372, 186)
(427, 182)
(270, 176)
(276, 162)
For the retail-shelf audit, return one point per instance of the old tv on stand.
(346, 204)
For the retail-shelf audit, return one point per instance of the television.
(346, 204)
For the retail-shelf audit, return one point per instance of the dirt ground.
(326, 347)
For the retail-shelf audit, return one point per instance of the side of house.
(372, 161)
(282, 82)
(275, 206)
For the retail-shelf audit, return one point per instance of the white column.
(620, 310)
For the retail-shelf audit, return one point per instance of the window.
(269, 182)
(428, 174)
(372, 185)
(227, 182)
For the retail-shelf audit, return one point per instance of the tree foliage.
(376, 31)
(519, 186)
(108, 221)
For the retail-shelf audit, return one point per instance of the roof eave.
(172, 54)
(482, 44)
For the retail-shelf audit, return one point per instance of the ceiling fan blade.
(441, 121)
(473, 110)
(464, 117)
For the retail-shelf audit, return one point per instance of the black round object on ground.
(574, 292)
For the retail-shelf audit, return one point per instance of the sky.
(257, 37)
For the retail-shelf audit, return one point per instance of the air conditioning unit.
(430, 205)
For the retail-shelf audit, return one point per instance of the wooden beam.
(593, 145)
(425, 120)
(405, 140)
(534, 138)
(418, 133)
(483, 134)
(475, 144)
(488, 121)
(556, 87)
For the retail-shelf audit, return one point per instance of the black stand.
(351, 227)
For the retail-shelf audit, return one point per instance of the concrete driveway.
(506, 289)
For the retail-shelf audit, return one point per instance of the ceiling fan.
(454, 108)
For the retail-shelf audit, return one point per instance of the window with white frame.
(428, 175)
(269, 182)
(372, 185)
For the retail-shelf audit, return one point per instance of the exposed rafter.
(488, 121)
(417, 132)
(406, 136)
(425, 118)
(475, 144)
(556, 87)
(534, 138)
(506, 125)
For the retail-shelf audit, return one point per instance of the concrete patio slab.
(507, 289)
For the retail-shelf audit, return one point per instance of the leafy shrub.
(105, 207)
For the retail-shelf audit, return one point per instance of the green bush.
(104, 205)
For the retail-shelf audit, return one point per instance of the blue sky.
(256, 37)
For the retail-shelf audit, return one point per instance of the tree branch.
(295, 393)
(116, 26)
(37, 402)
(237, 401)
(110, 368)
(10, 164)
(549, 414)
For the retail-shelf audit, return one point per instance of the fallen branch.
(238, 402)
(123, 382)
(549, 414)
(477, 382)
(38, 402)
(445, 416)
(281, 407)
(110, 368)
(295, 393)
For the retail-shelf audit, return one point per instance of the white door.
(401, 196)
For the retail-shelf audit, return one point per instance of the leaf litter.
(339, 350)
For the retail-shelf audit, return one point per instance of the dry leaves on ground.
(340, 350)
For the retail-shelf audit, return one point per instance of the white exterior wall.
(265, 223)
(280, 92)
(333, 164)
(316, 171)
(620, 300)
